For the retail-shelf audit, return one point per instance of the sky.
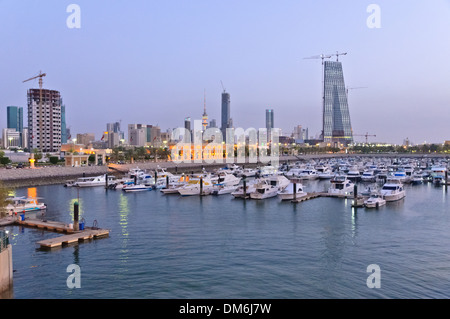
(151, 62)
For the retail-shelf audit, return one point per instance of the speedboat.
(24, 205)
(227, 179)
(247, 172)
(374, 201)
(94, 181)
(288, 192)
(341, 185)
(136, 188)
(392, 190)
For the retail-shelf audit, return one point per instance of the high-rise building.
(64, 136)
(44, 120)
(337, 128)
(204, 116)
(226, 120)
(14, 119)
(85, 138)
(269, 123)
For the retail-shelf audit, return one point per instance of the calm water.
(167, 246)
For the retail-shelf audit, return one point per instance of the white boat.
(247, 172)
(23, 205)
(374, 201)
(136, 188)
(264, 190)
(94, 181)
(193, 187)
(223, 189)
(399, 175)
(392, 190)
(341, 185)
(288, 192)
(250, 188)
(294, 172)
(309, 174)
(225, 178)
(438, 174)
(326, 174)
(368, 176)
(353, 174)
(269, 187)
(268, 170)
(417, 178)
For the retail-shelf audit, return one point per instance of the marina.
(169, 245)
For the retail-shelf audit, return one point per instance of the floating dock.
(358, 203)
(70, 235)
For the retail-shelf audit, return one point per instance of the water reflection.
(124, 211)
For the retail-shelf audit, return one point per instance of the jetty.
(70, 235)
(357, 202)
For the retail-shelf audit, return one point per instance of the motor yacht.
(392, 190)
(288, 192)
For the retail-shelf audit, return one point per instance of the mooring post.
(446, 179)
(355, 195)
(201, 185)
(76, 226)
(295, 191)
(167, 181)
(245, 188)
(106, 181)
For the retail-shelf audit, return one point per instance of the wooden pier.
(358, 203)
(69, 236)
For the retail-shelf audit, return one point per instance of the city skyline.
(151, 62)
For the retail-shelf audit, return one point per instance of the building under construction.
(44, 120)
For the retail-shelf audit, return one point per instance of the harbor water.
(168, 246)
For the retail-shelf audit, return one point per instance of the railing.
(4, 240)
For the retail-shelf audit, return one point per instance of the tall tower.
(225, 120)
(269, 123)
(337, 127)
(205, 116)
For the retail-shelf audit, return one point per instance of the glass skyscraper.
(14, 120)
(337, 128)
(226, 120)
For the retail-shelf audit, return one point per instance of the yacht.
(24, 205)
(192, 187)
(227, 179)
(374, 201)
(294, 172)
(94, 181)
(309, 174)
(353, 174)
(269, 187)
(368, 176)
(327, 173)
(264, 190)
(417, 178)
(400, 175)
(250, 188)
(392, 190)
(223, 189)
(438, 175)
(341, 185)
(247, 172)
(268, 170)
(288, 192)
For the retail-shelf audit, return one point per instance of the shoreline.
(54, 175)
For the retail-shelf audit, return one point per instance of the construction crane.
(41, 117)
(337, 54)
(365, 135)
(355, 88)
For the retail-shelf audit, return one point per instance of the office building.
(337, 129)
(64, 136)
(269, 123)
(44, 120)
(226, 119)
(10, 138)
(14, 120)
(85, 139)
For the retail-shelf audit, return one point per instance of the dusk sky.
(150, 62)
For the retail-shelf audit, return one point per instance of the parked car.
(9, 166)
(20, 165)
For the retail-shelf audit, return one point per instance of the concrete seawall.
(6, 270)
